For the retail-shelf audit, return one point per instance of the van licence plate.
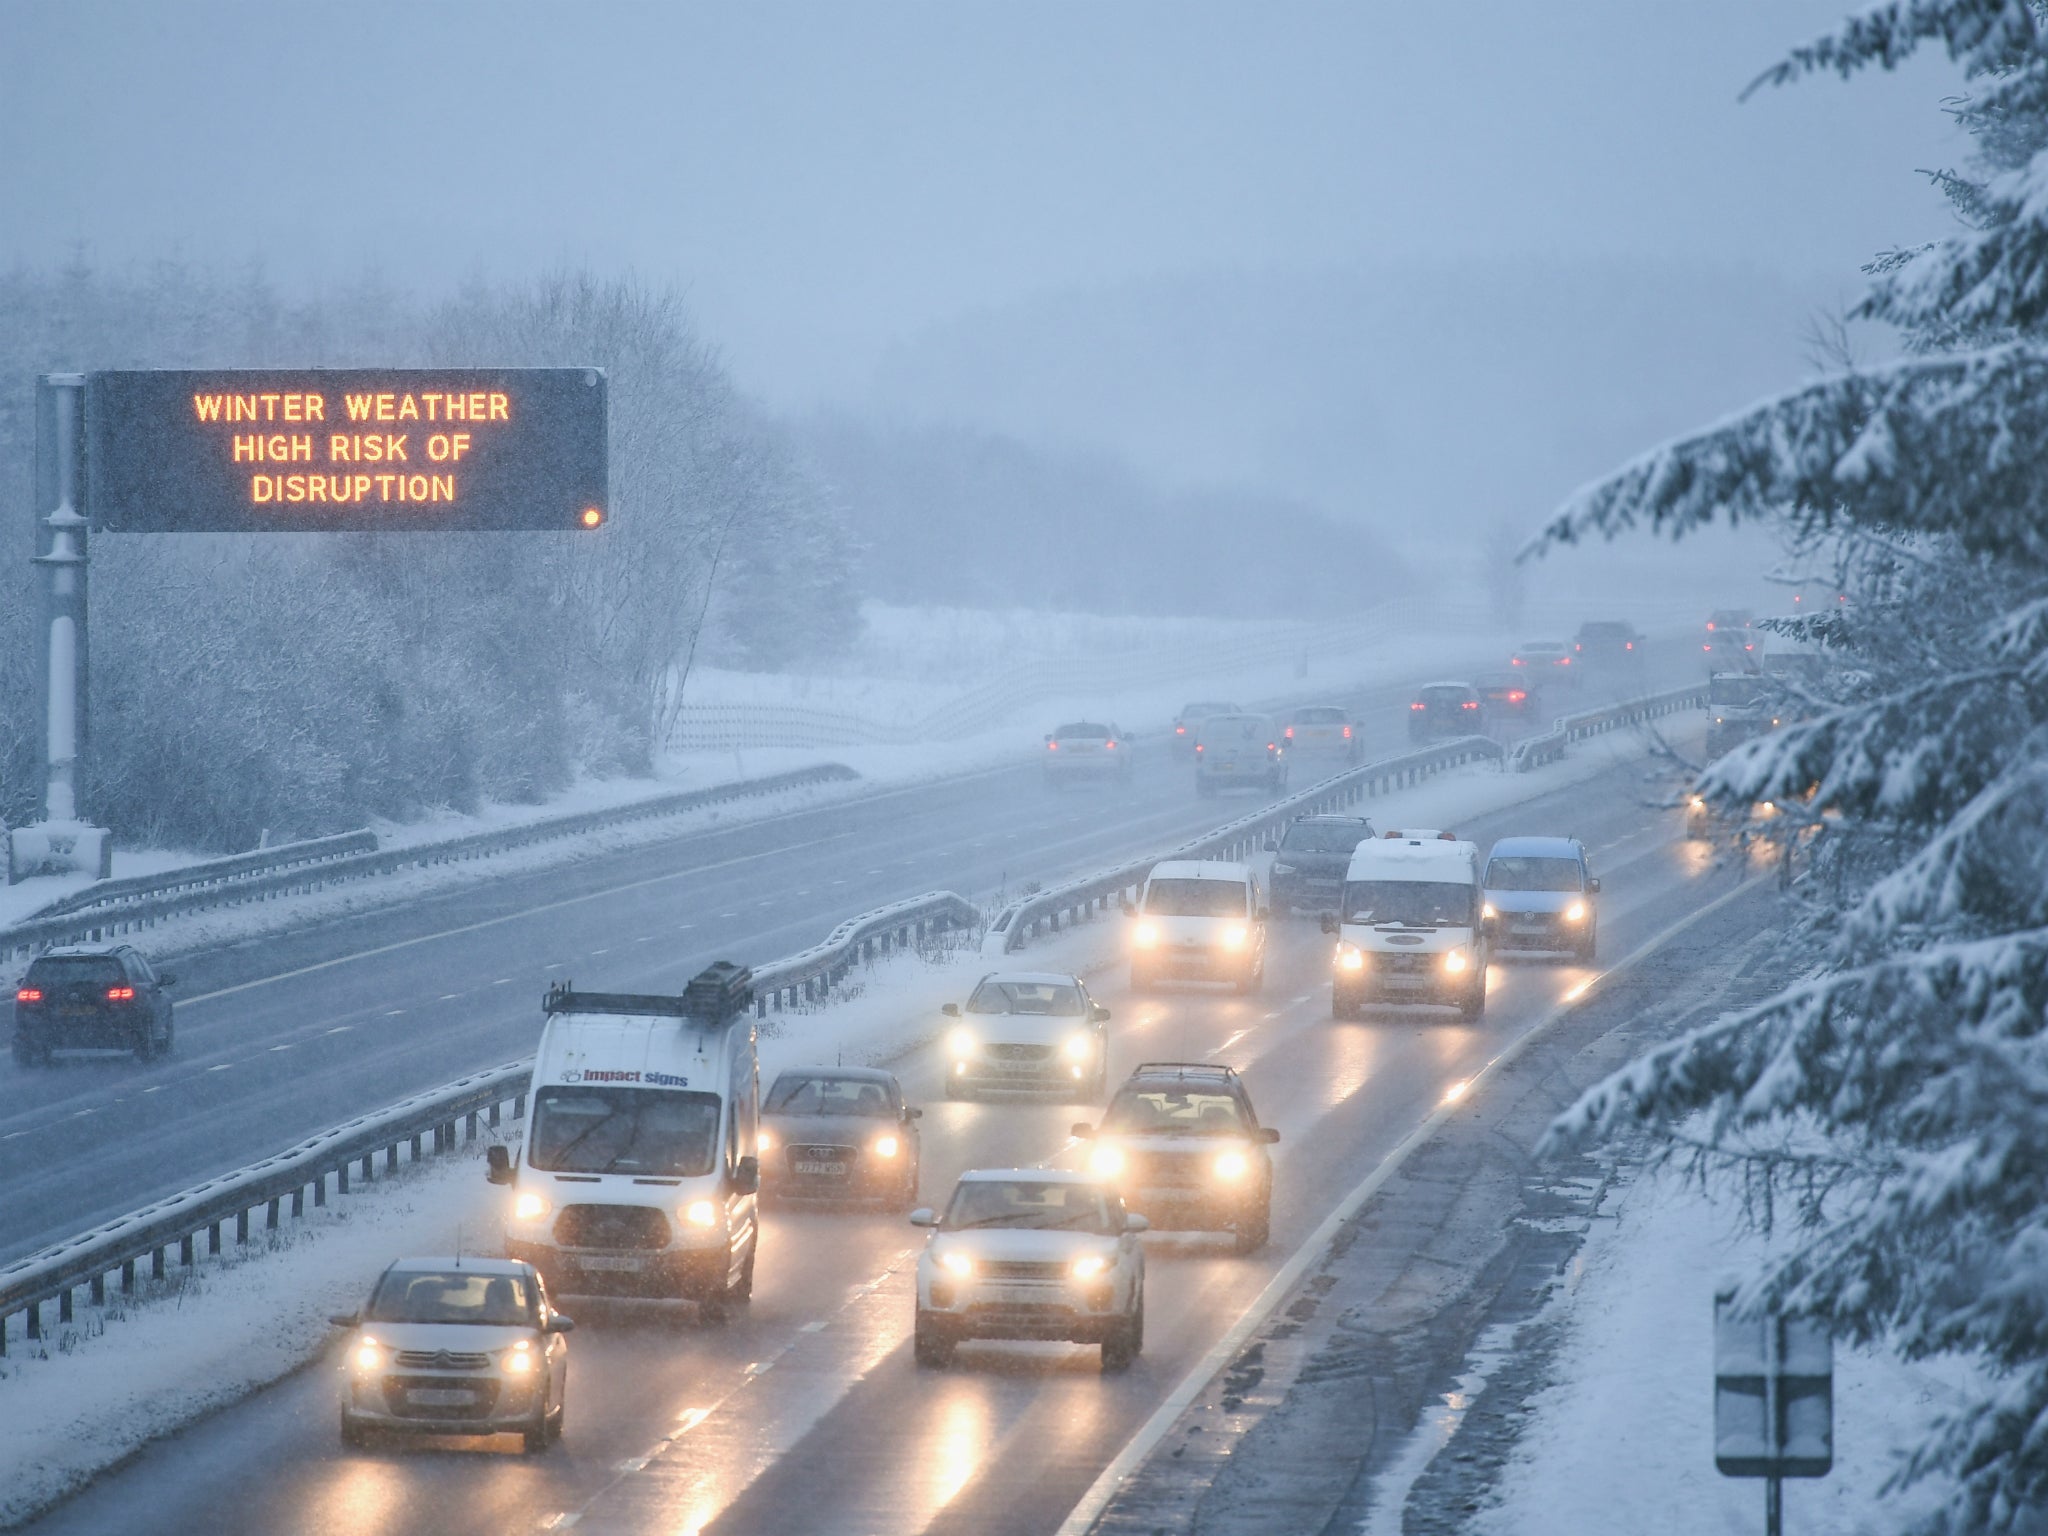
(834, 1169)
(620, 1263)
(441, 1397)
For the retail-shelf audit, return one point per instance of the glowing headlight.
(1145, 935)
(1575, 913)
(1106, 1162)
(1232, 1165)
(1699, 802)
(1079, 1047)
(1235, 935)
(1454, 960)
(700, 1213)
(767, 1140)
(528, 1206)
(369, 1355)
(956, 1264)
(961, 1042)
(1088, 1266)
(1487, 910)
(887, 1146)
(1350, 958)
(518, 1360)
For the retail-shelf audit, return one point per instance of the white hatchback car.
(456, 1346)
(1028, 1029)
(1031, 1253)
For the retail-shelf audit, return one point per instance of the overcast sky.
(826, 179)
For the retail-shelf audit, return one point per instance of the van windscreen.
(646, 1131)
(1194, 898)
(1412, 903)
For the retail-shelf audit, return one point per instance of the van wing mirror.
(1329, 922)
(950, 1010)
(1593, 886)
(1268, 1135)
(1083, 1130)
(1101, 1014)
(498, 1160)
(560, 1324)
(344, 1319)
(911, 1112)
(924, 1216)
(746, 1176)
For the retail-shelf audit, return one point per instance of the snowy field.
(1622, 1440)
(90, 1392)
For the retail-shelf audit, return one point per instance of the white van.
(640, 1172)
(1411, 927)
(1199, 920)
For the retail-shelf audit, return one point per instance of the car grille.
(1021, 1269)
(611, 1226)
(1165, 1170)
(441, 1360)
(485, 1388)
(1020, 1052)
(1407, 962)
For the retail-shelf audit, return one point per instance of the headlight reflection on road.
(963, 1441)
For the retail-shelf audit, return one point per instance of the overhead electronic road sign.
(321, 450)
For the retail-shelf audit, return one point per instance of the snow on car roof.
(844, 1074)
(1535, 848)
(1034, 978)
(1031, 1175)
(1200, 869)
(477, 1262)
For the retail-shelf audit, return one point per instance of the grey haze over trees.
(304, 684)
(1917, 1051)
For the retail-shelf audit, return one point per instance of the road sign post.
(1774, 1396)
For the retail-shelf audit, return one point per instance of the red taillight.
(1347, 733)
(1469, 704)
(1630, 646)
(1564, 661)
(120, 994)
(1198, 746)
(1109, 746)
(1270, 747)
(1418, 704)
(29, 995)
(1577, 647)
(1515, 696)
(1706, 647)
(1180, 730)
(1516, 662)
(1288, 733)
(1710, 625)
(1052, 746)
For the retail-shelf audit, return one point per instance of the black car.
(1608, 641)
(1509, 700)
(839, 1133)
(1181, 1138)
(92, 1000)
(1309, 864)
(1444, 710)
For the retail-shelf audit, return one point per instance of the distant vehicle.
(1411, 928)
(1199, 920)
(1441, 711)
(1322, 728)
(1187, 724)
(1239, 750)
(1028, 1029)
(1551, 659)
(1181, 1139)
(109, 999)
(1308, 866)
(1087, 750)
(1505, 699)
(1731, 647)
(1540, 895)
(1030, 1253)
(1723, 619)
(639, 1174)
(1607, 640)
(456, 1346)
(1739, 707)
(839, 1133)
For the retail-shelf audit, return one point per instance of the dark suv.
(1181, 1138)
(91, 1000)
(1608, 640)
(1444, 710)
(1309, 864)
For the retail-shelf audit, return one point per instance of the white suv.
(1199, 920)
(1031, 1253)
(1028, 1029)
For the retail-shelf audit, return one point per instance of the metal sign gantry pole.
(61, 843)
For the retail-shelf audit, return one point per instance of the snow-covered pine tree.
(1918, 1047)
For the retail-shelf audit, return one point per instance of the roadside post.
(1774, 1401)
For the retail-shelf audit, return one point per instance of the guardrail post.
(298, 1202)
(341, 1179)
(34, 1314)
(185, 1256)
(127, 1277)
(491, 1120)
(64, 1305)
(213, 1239)
(391, 1158)
(519, 1106)
(369, 1166)
(99, 1289)
(157, 1265)
(415, 1151)
(270, 1215)
(242, 1225)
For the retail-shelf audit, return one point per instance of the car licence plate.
(621, 1263)
(834, 1169)
(441, 1397)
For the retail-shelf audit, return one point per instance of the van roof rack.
(715, 994)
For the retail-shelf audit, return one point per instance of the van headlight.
(1350, 958)
(701, 1213)
(1078, 1047)
(1088, 1266)
(1454, 960)
(1232, 1166)
(1106, 1162)
(960, 1043)
(1145, 936)
(956, 1263)
(1575, 913)
(529, 1205)
(1487, 911)
(764, 1140)
(1235, 935)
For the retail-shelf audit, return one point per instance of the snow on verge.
(1622, 1439)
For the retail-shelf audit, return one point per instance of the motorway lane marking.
(1155, 1429)
(225, 1066)
(502, 981)
(449, 997)
(394, 1013)
(284, 1047)
(511, 917)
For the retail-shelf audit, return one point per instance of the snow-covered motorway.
(807, 1413)
(283, 1036)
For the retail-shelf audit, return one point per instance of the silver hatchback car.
(456, 1346)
